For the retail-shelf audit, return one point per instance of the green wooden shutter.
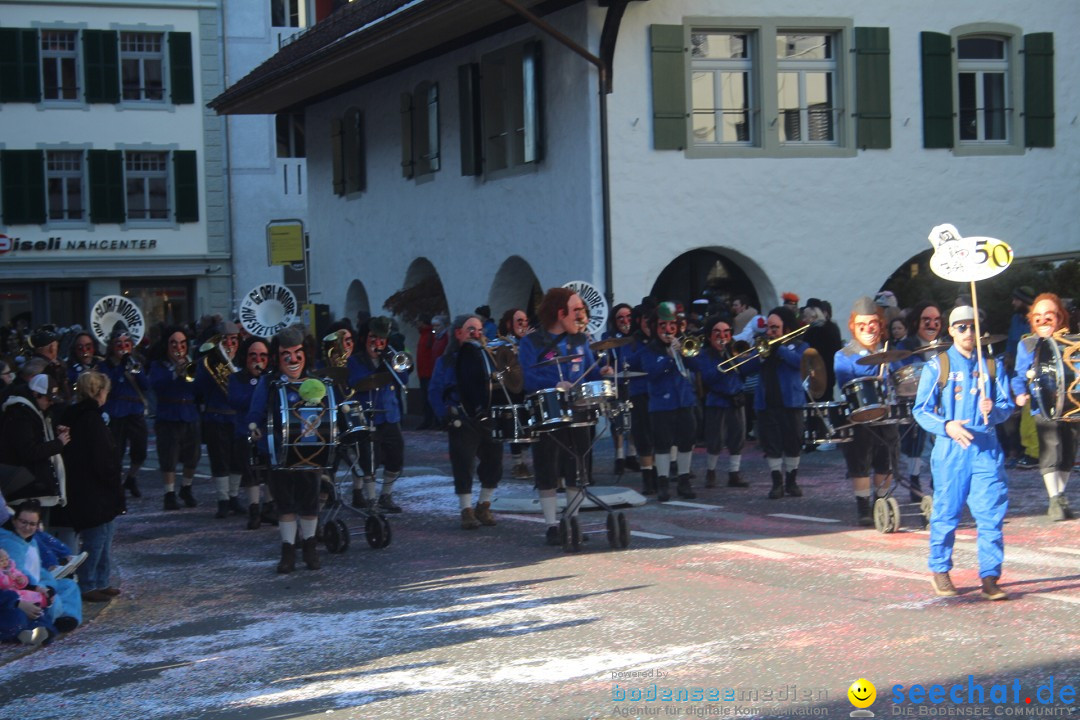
(532, 94)
(22, 179)
(1039, 90)
(186, 186)
(106, 170)
(336, 149)
(20, 74)
(429, 105)
(469, 110)
(668, 87)
(873, 124)
(101, 66)
(937, 85)
(181, 69)
(407, 164)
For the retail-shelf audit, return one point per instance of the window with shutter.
(1039, 90)
(20, 76)
(106, 172)
(22, 186)
(101, 66)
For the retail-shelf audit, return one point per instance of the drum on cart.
(1053, 379)
(906, 380)
(302, 434)
(510, 423)
(354, 422)
(549, 409)
(593, 394)
(867, 399)
(899, 413)
(826, 422)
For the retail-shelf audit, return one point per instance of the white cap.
(40, 384)
(961, 314)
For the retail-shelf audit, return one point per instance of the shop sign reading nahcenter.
(16, 246)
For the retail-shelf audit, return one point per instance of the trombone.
(690, 345)
(762, 349)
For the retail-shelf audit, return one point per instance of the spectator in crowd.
(27, 439)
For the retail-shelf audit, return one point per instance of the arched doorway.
(356, 300)
(515, 286)
(713, 274)
(421, 298)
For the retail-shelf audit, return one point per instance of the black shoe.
(222, 510)
(551, 537)
(288, 559)
(632, 464)
(132, 486)
(790, 486)
(235, 507)
(65, 623)
(710, 478)
(254, 520)
(269, 513)
(188, 496)
(170, 501)
(387, 504)
(915, 489)
(663, 490)
(673, 469)
(683, 488)
(1027, 463)
(648, 481)
(310, 552)
(734, 479)
(777, 490)
(620, 466)
(358, 499)
(862, 512)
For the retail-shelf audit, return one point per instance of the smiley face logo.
(862, 693)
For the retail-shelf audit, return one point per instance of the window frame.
(84, 185)
(513, 111)
(170, 187)
(165, 101)
(764, 72)
(294, 126)
(75, 54)
(1014, 87)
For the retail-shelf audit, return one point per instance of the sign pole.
(978, 350)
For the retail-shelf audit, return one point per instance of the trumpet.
(762, 347)
(185, 372)
(131, 365)
(399, 361)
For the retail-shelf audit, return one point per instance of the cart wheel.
(882, 516)
(926, 507)
(575, 534)
(331, 537)
(612, 531)
(564, 534)
(624, 530)
(376, 531)
(387, 535)
(894, 511)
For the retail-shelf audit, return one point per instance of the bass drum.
(510, 423)
(301, 434)
(867, 399)
(1053, 380)
(826, 422)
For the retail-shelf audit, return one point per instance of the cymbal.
(373, 382)
(558, 359)
(992, 339)
(631, 374)
(611, 343)
(881, 358)
(937, 346)
(812, 366)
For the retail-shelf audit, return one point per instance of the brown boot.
(483, 514)
(942, 585)
(991, 591)
(468, 519)
(710, 478)
(734, 479)
(310, 550)
(288, 558)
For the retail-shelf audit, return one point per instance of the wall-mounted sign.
(285, 242)
(19, 246)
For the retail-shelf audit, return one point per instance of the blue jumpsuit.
(975, 474)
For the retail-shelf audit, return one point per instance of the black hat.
(483, 311)
(379, 326)
(119, 330)
(43, 336)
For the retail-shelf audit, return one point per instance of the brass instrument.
(131, 365)
(762, 347)
(216, 361)
(690, 345)
(398, 360)
(334, 349)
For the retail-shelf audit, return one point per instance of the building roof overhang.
(364, 41)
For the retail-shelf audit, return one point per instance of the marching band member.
(967, 460)
(725, 424)
(461, 390)
(256, 357)
(83, 356)
(923, 328)
(45, 342)
(618, 357)
(387, 440)
(778, 402)
(1057, 439)
(177, 423)
(126, 405)
(563, 319)
(872, 448)
(295, 490)
(219, 424)
(640, 427)
(671, 400)
(513, 326)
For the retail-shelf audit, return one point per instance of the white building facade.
(803, 147)
(111, 166)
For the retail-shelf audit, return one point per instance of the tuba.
(217, 363)
(334, 349)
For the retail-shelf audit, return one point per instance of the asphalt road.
(751, 607)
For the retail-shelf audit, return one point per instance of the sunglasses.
(963, 327)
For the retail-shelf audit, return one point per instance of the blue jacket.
(719, 386)
(68, 599)
(241, 389)
(638, 385)
(1025, 357)
(668, 388)
(216, 407)
(934, 408)
(175, 395)
(785, 361)
(124, 398)
(383, 398)
(847, 369)
(442, 394)
(541, 345)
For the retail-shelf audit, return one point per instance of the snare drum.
(301, 435)
(510, 423)
(867, 399)
(353, 422)
(548, 409)
(585, 417)
(827, 422)
(906, 380)
(593, 394)
(899, 413)
(619, 417)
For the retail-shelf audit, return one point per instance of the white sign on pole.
(967, 259)
(595, 302)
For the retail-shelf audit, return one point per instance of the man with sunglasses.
(967, 461)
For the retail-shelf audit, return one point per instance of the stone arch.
(714, 272)
(515, 285)
(356, 300)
